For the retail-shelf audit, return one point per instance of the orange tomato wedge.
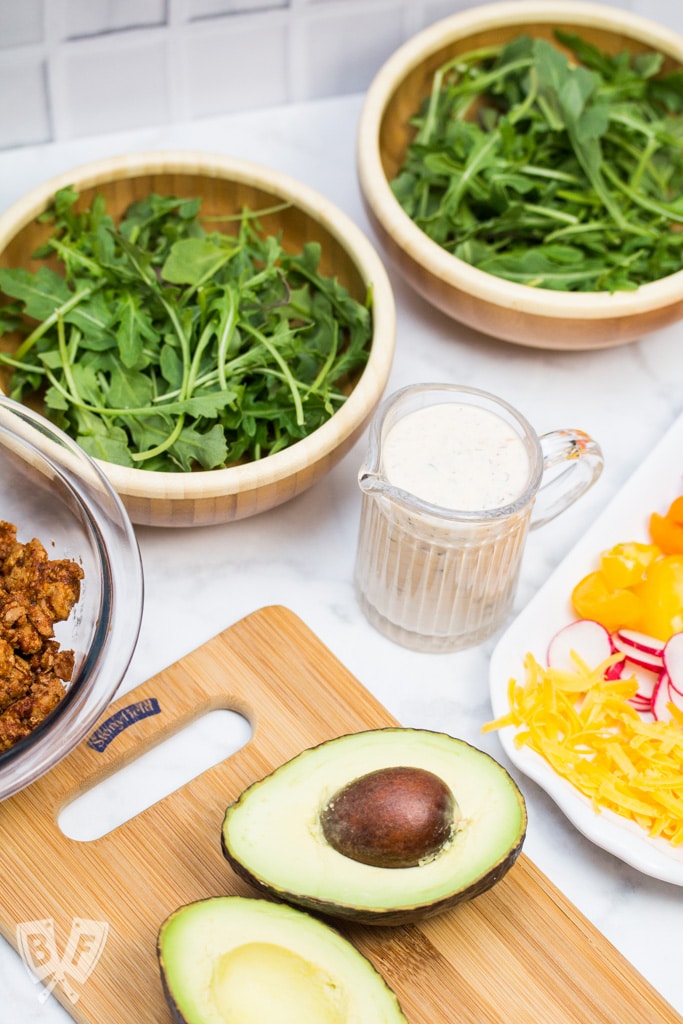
(625, 564)
(667, 530)
(661, 597)
(594, 598)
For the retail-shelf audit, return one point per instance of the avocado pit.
(347, 805)
(394, 817)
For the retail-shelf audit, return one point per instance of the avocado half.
(275, 834)
(248, 961)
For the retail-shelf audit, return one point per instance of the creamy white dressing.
(457, 456)
(428, 579)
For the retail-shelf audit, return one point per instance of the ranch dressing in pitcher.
(450, 481)
(457, 456)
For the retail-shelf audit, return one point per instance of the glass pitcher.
(453, 480)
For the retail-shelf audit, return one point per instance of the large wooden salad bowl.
(226, 186)
(502, 308)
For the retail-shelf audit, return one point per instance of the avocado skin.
(176, 1015)
(382, 916)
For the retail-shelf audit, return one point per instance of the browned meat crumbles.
(35, 592)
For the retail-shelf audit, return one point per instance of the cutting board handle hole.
(154, 774)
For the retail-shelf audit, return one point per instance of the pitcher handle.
(572, 462)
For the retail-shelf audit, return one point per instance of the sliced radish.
(656, 667)
(637, 652)
(661, 700)
(673, 661)
(586, 638)
(675, 696)
(616, 669)
(646, 679)
(664, 695)
(641, 641)
(647, 684)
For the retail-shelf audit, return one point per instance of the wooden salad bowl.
(226, 186)
(507, 310)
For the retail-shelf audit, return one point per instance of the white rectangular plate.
(651, 488)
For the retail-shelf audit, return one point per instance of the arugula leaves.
(168, 347)
(555, 173)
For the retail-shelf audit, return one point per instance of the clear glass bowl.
(50, 489)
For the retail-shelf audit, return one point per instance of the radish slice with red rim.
(646, 679)
(675, 697)
(661, 699)
(673, 661)
(640, 641)
(644, 711)
(639, 648)
(588, 639)
(616, 669)
(640, 703)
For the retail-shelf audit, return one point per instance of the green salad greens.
(166, 346)
(556, 171)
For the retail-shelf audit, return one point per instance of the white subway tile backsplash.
(95, 17)
(344, 53)
(76, 67)
(109, 89)
(235, 65)
(26, 119)
(211, 8)
(21, 22)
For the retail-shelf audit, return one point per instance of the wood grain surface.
(519, 954)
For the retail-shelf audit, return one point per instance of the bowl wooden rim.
(409, 238)
(217, 483)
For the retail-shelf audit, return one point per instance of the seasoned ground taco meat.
(35, 592)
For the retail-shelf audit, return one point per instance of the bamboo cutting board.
(519, 953)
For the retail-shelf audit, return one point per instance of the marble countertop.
(199, 581)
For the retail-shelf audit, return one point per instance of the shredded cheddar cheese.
(586, 729)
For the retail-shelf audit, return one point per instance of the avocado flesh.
(232, 960)
(273, 838)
